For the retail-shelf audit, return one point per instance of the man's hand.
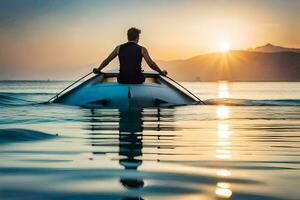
(96, 71)
(164, 73)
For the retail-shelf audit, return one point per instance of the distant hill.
(238, 66)
(270, 48)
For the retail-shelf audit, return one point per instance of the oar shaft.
(187, 90)
(69, 87)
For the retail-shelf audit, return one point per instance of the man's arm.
(151, 63)
(105, 62)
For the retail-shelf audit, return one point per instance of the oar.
(187, 90)
(69, 87)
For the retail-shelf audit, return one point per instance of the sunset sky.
(59, 38)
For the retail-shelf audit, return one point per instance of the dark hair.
(133, 33)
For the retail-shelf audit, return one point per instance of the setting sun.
(224, 46)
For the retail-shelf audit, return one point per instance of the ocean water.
(244, 144)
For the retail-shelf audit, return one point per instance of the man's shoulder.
(122, 45)
(144, 49)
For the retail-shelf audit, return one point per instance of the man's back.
(130, 58)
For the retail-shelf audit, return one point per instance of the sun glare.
(224, 46)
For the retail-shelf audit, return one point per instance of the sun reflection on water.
(222, 112)
(223, 151)
(223, 192)
(223, 89)
(223, 173)
(223, 130)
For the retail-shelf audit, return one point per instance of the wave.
(10, 100)
(22, 135)
(252, 102)
(27, 93)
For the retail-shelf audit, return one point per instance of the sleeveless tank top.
(130, 58)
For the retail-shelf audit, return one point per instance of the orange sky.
(48, 39)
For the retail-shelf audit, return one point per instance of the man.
(130, 57)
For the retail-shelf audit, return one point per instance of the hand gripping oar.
(187, 90)
(69, 87)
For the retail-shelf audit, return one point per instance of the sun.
(224, 46)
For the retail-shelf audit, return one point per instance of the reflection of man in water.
(130, 145)
(130, 57)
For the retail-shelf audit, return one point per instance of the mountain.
(270, 48)
(237, 66)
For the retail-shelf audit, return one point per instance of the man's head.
(133, 34)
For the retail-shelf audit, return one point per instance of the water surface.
(245, 144)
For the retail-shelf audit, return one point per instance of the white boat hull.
(96, 92)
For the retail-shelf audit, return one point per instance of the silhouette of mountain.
(237, 66)
(270, 48)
